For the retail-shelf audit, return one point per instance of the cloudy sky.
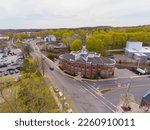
(73, 13)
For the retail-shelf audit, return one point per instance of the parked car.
(14, 64)
(11, 72)
(66, 105)
(111, 56)
(6, 73)
(64, 98)
(60, 94)
(147, 71)
(56, 90)
(69, 110)
(3, 65)
(16, 71)
(4, 55)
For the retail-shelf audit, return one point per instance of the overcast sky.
(73, 13)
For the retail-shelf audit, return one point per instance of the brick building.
(146, 100)
(87, 65)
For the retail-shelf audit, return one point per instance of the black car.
(6, 73)
(3, 65)
(111, 56)
(51, 68)
(147, 71)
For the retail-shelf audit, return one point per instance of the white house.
(50, 38)
(4, 37)
(136, 50)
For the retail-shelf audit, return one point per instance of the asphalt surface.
(86, 96)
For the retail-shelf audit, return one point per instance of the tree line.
(96, 39)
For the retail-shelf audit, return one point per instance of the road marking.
(98, 99)
(99, 95)
(145, 85)
(94, 89)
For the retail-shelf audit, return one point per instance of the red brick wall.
(71, 68)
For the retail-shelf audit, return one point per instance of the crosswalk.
(92, 89)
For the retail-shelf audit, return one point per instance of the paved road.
(85, 95)
(138, 87)
(84, 99)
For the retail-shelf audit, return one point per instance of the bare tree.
(126, 100)
(26, 49)
(42, 64)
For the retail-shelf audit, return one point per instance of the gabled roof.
(85, 57)
(68, 57)
(107, 60)
(91, 60)
(95, 60)
(81, 60)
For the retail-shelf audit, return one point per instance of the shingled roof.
(91, 60)
(86, 57)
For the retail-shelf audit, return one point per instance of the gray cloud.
(73, 13)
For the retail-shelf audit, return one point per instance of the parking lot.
(10, 61)
(123, 73)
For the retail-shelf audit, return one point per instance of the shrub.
(52, 56)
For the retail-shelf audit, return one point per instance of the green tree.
(10, 35)
(96, 45)
(67, 39)
(21, 36)
(76, 45)
(91, 44)
(34, 96)
(100, 47)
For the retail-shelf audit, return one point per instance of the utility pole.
(138, 65)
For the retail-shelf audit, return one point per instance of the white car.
(60, 94)
(69, 110)
(66, 105)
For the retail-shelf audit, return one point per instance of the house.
(87, 64)
(4, 38)
(146, 100)
(50, 38)
(56, 45)
(137, 51)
